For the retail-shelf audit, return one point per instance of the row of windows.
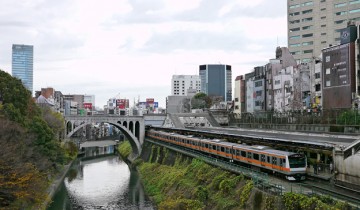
(303, 12)
(309, 3)
(303, 44)
(299, 52)
(237, 152)
(345, 3)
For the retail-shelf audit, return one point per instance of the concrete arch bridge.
(133, 127)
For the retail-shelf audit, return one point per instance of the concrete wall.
(347, 171)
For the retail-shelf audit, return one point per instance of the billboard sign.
(338, 76)
(88, 106)
(121, 103)
(149, 101)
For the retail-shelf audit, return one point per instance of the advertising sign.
(338, 75)
(149, 100)
(88, 106)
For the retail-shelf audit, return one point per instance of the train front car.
(297, 164)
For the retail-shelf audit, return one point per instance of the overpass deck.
(298, 137)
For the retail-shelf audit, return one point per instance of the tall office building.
(215, 80)
(314, 25)
(180, 84)
(22, 64)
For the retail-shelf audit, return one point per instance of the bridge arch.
(135, 134)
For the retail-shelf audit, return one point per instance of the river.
(101, 183)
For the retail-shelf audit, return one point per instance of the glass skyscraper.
(22, 64)
(216, 80)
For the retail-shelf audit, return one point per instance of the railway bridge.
(133, 127)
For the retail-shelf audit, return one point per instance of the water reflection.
(102, 183)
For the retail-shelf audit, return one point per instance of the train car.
(291, 166)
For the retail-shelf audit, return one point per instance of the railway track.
(325, 188)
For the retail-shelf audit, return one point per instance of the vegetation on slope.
(192, 184)
(31, 153)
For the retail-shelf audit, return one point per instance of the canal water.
(101, 183)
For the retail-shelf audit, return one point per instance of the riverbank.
(59, 178)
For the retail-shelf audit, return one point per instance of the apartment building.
(314, 25)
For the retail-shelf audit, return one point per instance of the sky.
(131, 48)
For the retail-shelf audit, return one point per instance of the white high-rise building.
(180, 84)
(316, 24)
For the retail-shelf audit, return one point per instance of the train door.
(274, 162)
(282, 162)
(262, 160)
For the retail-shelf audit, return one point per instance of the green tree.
(201, 101)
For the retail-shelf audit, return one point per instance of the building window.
(294, 14)
(307, 43)
(340, 5)
(295, 37)
(294, 53)
(323, 26)
(328, 83)
(339, 21)
(306, 19)
(236, 99)
(236, 107)
(323, 42)
(306, 60)
(317, 87)
(306, 27)
(323, 34)
(328, 71)
(354, 2)
(323, 17)
(317, 75)
(323, 9)
(258, 83)
(294, 21)
(258, 93)
(307, 11)
(340, 13)
(309, 3)
(354, 11)
(295, 45)
(294, 6)
(294, 29)
(307, 35)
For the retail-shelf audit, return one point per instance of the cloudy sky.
(131, 48)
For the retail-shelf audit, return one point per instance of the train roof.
(253, 148)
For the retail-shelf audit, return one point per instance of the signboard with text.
(338, 76)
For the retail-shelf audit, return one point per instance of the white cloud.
(134, 47)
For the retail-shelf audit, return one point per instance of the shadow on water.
(101, 183)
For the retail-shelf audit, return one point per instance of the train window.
(243, 153)
(249, 155)
(187, 141)
(238, 152)
(227, 150)
(214, 147)
(284, 160)
(268, 159)
(262, 158)
(206, 146)
(183, 141)
(222, 149)
(274, 160)
(256, 156)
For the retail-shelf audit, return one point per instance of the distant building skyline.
(23, 64)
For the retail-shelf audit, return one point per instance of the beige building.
(316, 24)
